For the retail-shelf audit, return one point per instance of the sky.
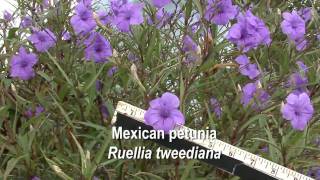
(6, 4)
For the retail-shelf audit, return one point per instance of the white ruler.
(256, 162)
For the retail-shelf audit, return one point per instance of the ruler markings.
(249, 159)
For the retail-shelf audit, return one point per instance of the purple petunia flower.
(314, 172)
(160, 3)
(293, 25)
(99, 85)
(302, 66)
(34, 113)
(254, 96)
(98, 48)
(128, 14)
(43, 40)
(215, 107)
(104, 17)
(220, 12)
(26, 22)
(163, 113)
(298, 82)
(265, 149)
(39, 110)
(112, 71)
(247, 69)
(83, 21)
(249, 32)
(104, 111)
(35, 178)
(7, 16)
(298, 110)
(189, 44)
(66, 35)
(305, 13)
(132, 57)
(21, 65)
(301, 44)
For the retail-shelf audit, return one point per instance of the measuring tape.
(233, 160)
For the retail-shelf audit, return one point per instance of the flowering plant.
(249, 69)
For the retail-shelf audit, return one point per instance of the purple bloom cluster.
(247, 69)
(254, 96)
(163, 113)
(220, 11)
(249, 32)
(293, 26)
(98, 48)
(21, 65)
(124, 14)
(83, 21)
(215, 107)
(43, 40)
(298, 110)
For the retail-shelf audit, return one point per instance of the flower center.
(42, 38)
(23, 64)
(165, 113)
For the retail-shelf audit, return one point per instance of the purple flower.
(45, 3)
(7, 16)
(104, 111)
(298, 82)
(160, 3)
(104, 17)
(314, 172)
(98, 48)
(26, 22)
(34, 113)
(66, 35)
(83, 20)
(265, 149)
(301, 44)
(305, 13)
(293, 25)
(249, 32)
(35, 178)
(163, 113)
(128, 14)
(112, 71)
(189, 44)
(43, 40)
(132, 57)
(99, 85)
(21, 65)
(39, 110)
(215, 107)
(298, 110)
(247, 69)
(29, 113)
(254, 96)
(220, 11)
(302, 66)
